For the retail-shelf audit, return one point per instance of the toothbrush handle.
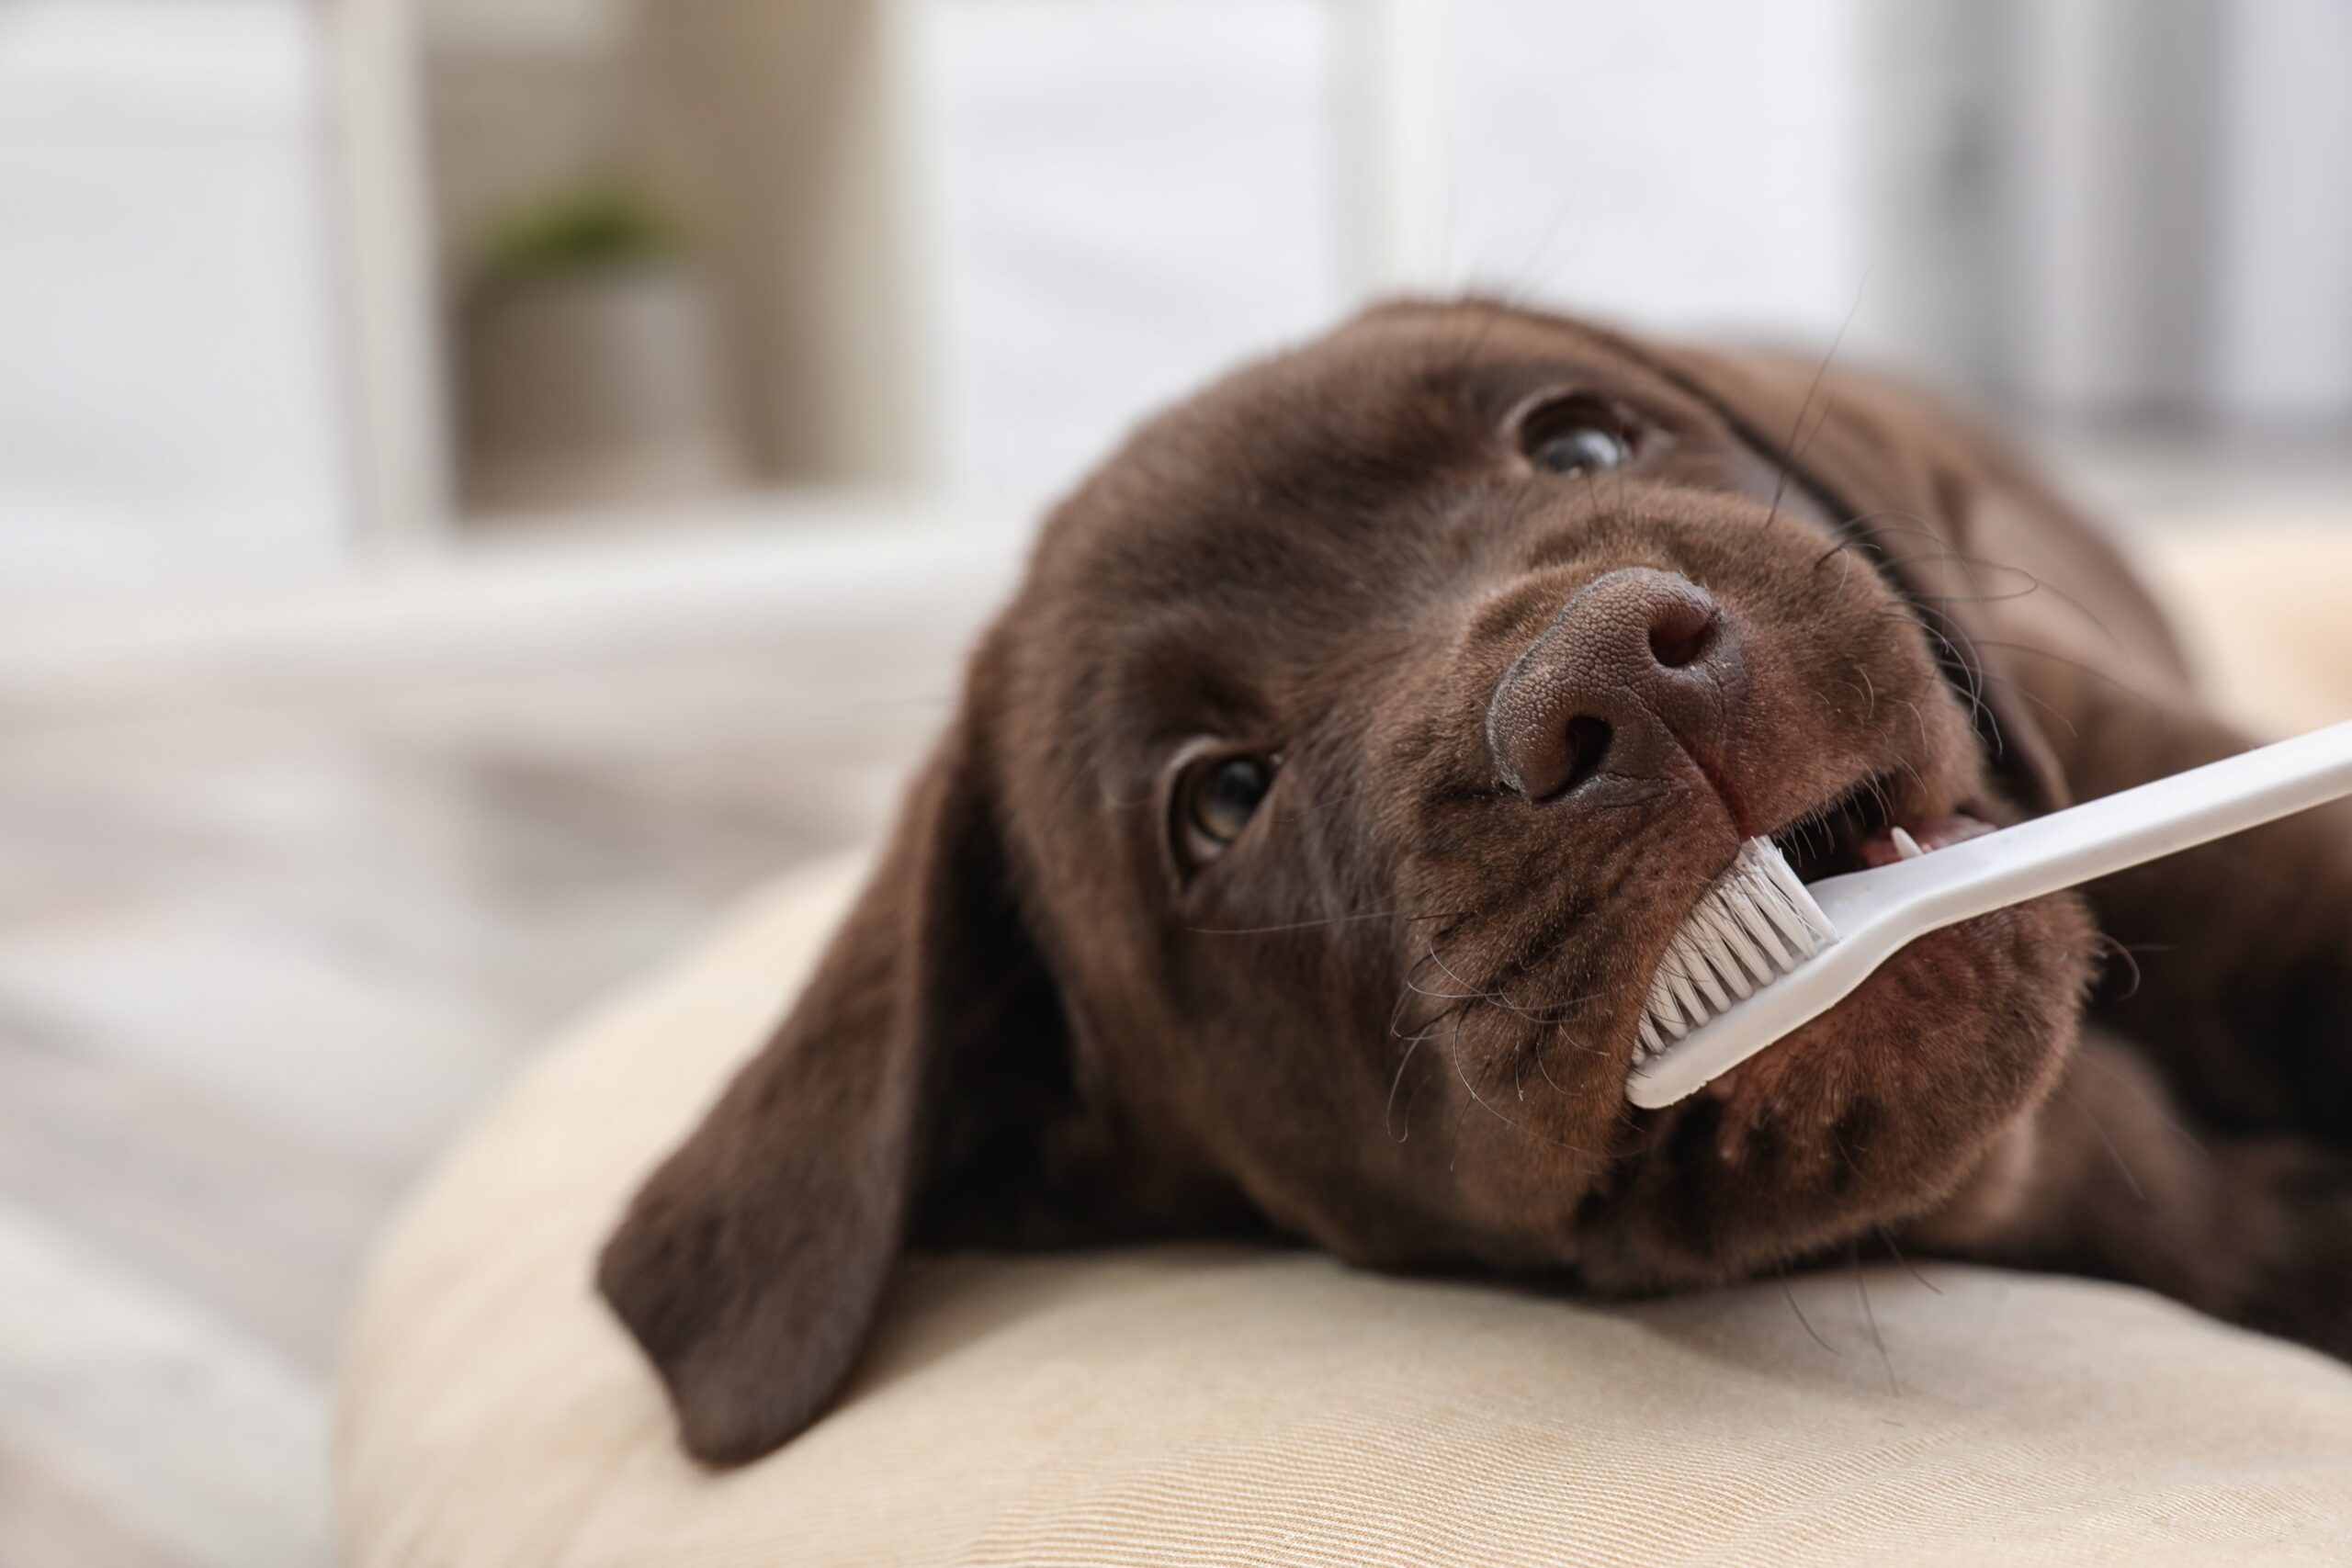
(2143, 823)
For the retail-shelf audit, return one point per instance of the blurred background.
(485, 482)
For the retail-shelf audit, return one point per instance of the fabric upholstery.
(1229, 1406)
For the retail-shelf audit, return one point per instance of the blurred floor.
(256, 961)
(267, 932)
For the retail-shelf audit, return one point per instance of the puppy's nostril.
(1680, 634)
(1588, 739)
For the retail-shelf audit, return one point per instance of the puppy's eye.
(1574, 435)
(1216, 800)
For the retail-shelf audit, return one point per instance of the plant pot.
(595, 388)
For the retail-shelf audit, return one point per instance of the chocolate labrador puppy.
(1316, 812)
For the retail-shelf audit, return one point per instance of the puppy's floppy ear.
(751, 1264)
(1907, 477)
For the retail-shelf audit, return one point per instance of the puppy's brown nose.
(1638, 666)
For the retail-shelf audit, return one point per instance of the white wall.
(1679, 164)
(1136, 195)
(1132, 197)
(167, 384)
(2284, 265)
(1117, 200)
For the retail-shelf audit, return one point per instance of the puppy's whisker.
(1539, 1137)
(1569, 1009)
(1658, 794)
(2035, 583)
(1888, 1238)
(1982, 598)
(1971, 564)
(2044, 703)
(2108, 676)
(1436, 939)
(2099, 1129)
(1521, 290)
(1918, 523)
(1969, 665)
(1405, 995)
(1496, 997)
(1313, 924)
(1790, 451)
(1535, 1049)
(1918, 778)
(2099, 1060)
(1921, 718)
(1790, 1297)
(1388, 1113)
(2107, 944)
(1862, 1286)
(1844, 572)
(1879, 794)
(1421, 990)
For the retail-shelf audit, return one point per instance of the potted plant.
(591, 375)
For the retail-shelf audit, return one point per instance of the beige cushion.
(2267, 606)
(1235, 1406)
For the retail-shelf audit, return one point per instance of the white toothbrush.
(1763, 952)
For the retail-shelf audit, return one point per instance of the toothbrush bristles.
(1755, 925)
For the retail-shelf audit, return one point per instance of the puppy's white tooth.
(1906, 845)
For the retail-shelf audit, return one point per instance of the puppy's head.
(1315, 820)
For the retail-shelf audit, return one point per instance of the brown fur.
(1394, 1018)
